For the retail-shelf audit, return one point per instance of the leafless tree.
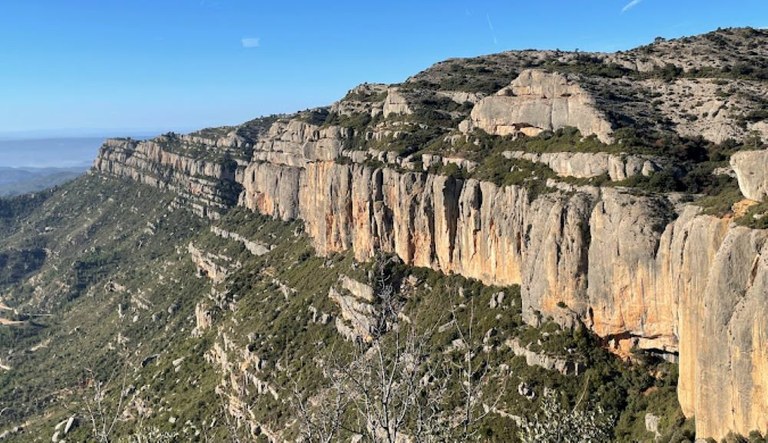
(387, 391)
(322, 416)
(99, 408)
(475, 376)
(396, 387)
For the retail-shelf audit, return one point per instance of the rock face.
(203, 319)
(606, 255)
(624, 264)
(587, 164)
(396, 103)
(212, 266)
(209, 186)
(462, 97)
(253, 247)
(471, 228)
(362, 99)
(546, 101)
(751, 169)
(723, 372)
(295, 142)
(596, 252)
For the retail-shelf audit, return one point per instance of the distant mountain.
(16, 181)
(31, 165)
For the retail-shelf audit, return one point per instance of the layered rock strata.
(587, 164)
(639, 270)
(209, 186)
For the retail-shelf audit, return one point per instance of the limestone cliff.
(209, 186)
(723, 320)
(616, 261)
(637, 270)
(642, 270)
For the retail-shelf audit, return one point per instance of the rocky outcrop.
(241, 373)
(295, 143)
(542, 100)
(213, 266)
(255, 248)
(203, 319)
(396, 103)
(358, 314)
(587, 164)
(367, 98)
(430, 160)
(751, 168)
(208, 185)
(462, 97)
(542, 360)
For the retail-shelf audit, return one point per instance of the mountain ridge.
(377, 198)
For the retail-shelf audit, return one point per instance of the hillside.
(16, 181)
(518, 246)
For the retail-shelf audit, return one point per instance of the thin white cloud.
(250, 42)
(630, 5)
(493, 31)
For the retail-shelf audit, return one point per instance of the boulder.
(751, 168)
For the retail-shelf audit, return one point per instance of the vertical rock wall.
(635, 269)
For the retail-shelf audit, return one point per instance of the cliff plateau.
(558, 172)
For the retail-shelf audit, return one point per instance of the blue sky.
(92, 66)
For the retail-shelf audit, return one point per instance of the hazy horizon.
(50, 152)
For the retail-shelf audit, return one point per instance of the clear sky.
(90, 66)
